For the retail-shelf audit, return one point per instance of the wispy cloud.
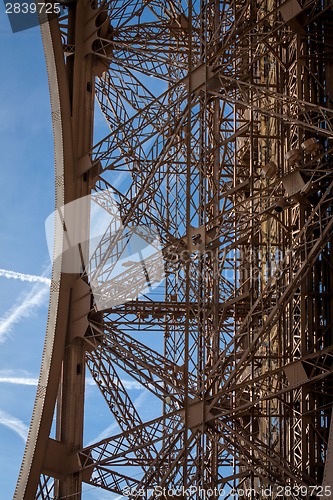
(10, 377)
(128, 384)
(17, 377)
(138, 402)
(19, 380)
(25, 309)
(31, 278)
(14, 424)
(107, 432)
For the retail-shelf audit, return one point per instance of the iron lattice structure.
(220, 123)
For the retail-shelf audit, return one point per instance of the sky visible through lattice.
(26, 200)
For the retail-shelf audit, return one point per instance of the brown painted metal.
(226, 151)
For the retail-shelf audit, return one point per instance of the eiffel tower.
(216, 154)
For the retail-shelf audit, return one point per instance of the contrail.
(31, 278)
(6, 378)
(19, 380)
(35, 298)
(14, 424)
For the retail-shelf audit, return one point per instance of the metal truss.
(217, 152)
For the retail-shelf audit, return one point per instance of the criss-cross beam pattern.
(204, 128)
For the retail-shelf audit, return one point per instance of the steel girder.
(220, 122)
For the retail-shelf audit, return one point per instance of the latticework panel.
(219, 147)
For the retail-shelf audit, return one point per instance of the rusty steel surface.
(217, 154)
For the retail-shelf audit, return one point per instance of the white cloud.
(107, 432)
(138, 402)
(104, 434)
(131, 384)
(23, 377)
(31, 278)
(33, 299)
(14, 424)
(19, 380)
(128, 384)
(9, 372)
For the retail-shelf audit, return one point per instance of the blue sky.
(26, 199)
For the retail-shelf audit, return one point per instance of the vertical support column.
(80, 71)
